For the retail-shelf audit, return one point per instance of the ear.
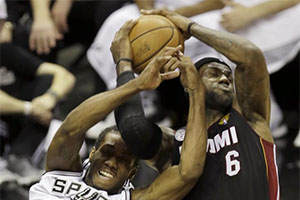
(132, 173)
(92, 153)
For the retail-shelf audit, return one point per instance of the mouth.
(224, 87)
(106, 174)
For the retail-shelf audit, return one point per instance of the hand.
(60, 12)
(43, 36)
(151, 77)
(47, 101)
(239, 17)
(189, 75)
(6, 32)
(120, 46)
(41, 114)
(180, 21)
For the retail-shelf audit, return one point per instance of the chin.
(222, 103)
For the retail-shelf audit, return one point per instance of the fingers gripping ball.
(150, 36)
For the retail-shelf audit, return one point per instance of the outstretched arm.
(251, 75)
(142, 136)
(65, 146)
(176, 181)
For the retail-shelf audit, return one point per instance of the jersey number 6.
(233, 165)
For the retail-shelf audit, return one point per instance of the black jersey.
(239, 164)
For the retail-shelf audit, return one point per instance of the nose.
(111, 162)
(224, 79)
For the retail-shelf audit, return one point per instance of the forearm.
(199, 8)
(40, 9)
(145, 4)
(63, 151)
(10, 105)
(234, 47)
(193, 152)
(271, 7)
(176, 181)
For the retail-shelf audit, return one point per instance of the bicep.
(63, 152)
(169, 185)
(253, 88)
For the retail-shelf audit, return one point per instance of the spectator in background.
(48, 27)
(30, 90)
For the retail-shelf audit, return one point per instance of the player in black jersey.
(240, 161)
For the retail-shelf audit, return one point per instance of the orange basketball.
(150, 36)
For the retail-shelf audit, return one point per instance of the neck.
(212, 116)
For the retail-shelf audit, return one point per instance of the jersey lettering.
(226, 138)
(74, 186)
(59, 186)
(84, 195)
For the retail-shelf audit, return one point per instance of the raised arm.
(142, 136)
(176, 181)
(65, 146)
(63, 153)
(251, 75)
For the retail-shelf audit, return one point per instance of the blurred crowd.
(55, 54)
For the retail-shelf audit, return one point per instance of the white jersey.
(56, 185)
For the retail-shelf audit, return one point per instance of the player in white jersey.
(111, 163)
(70, 185)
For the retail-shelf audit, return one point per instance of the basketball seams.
(146, 47)
(161, 27)
(162, 46)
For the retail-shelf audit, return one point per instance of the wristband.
(53, 94)
(124, 77)
(27, 108)
(189, 27)
(123, 59)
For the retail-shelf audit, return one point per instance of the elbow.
(253, 52)
(70, 79)
(191, 174)
(141, 137)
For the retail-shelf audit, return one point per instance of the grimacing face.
(218, 81)
(111, 164)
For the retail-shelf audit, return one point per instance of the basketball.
(150, 36)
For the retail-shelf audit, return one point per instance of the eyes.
(108, 151)
(217, 73)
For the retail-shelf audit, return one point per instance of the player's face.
(111, 164)
(218, 81)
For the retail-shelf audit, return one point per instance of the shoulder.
(257, 123)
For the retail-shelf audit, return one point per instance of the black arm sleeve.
(142, 137)
(20, 61)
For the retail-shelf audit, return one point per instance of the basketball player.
(111, 165)
(240, 160)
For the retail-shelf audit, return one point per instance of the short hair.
(206, 60)
(111, 129)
